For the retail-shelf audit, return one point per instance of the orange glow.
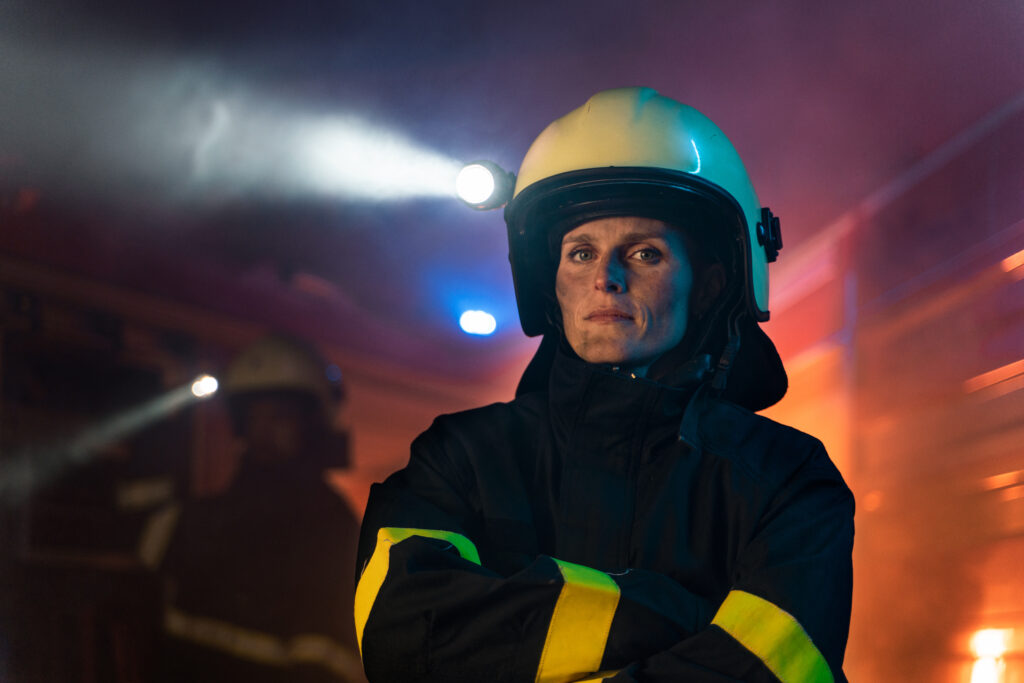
(1001, 481)
(1000, 374)
(872, 501)
(1013, 262)
(1012, 493)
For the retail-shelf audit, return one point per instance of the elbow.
(395, 651)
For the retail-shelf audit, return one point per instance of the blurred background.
(178, 179)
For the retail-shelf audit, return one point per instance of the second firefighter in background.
(257, 577)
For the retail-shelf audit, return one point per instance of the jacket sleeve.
(427, 609)
(787, 616)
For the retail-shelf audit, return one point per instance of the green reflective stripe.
(376, 569)
(774, 636)
(264, 648)
(579, 626)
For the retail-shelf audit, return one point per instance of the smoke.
(917, 584)
(100, 121)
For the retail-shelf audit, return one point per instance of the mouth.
(608, 315)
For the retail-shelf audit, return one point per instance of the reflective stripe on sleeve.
(579, 625)
(377, 568)
(772, 634)
(265, 648)
(157, 534)
(598, 677)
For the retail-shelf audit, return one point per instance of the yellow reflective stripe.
(157, 535)
(141, 494)
(579, 625)
(774, 636)
(265, 648)
(376, 569)
(598, 677)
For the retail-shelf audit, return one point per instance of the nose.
(610, 276)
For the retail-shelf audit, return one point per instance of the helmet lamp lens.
(475, 184)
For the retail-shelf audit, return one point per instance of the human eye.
(646, 255)
(580, 255)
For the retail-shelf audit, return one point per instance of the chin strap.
(728, 357)
(689, 432)
(725, 362)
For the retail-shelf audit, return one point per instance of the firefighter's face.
(278, 428)
(624, 286)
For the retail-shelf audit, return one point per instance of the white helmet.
(282, 364)
(631, 151)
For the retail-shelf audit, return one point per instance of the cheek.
(564, 292)
(671, 301)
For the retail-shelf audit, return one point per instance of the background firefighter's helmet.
(632, 151)
(282, 364)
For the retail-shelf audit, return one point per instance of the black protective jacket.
(611, 527)
(256, 583)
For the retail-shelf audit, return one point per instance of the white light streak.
(180, 130)
(31, 468)
(349, 157)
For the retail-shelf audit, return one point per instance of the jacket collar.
(598, 406)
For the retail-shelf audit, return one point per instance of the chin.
(612, 357)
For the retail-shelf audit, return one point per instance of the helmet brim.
(543, 212)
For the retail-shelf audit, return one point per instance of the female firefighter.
(627, 517)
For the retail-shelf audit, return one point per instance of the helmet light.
(204, 385)
(484, 185)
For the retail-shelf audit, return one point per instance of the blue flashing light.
(477, 322)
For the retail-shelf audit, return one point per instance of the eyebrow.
(628, 237)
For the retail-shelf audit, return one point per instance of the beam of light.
(180, 130)
(477, 322)
(352, 158)
(32, 468)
